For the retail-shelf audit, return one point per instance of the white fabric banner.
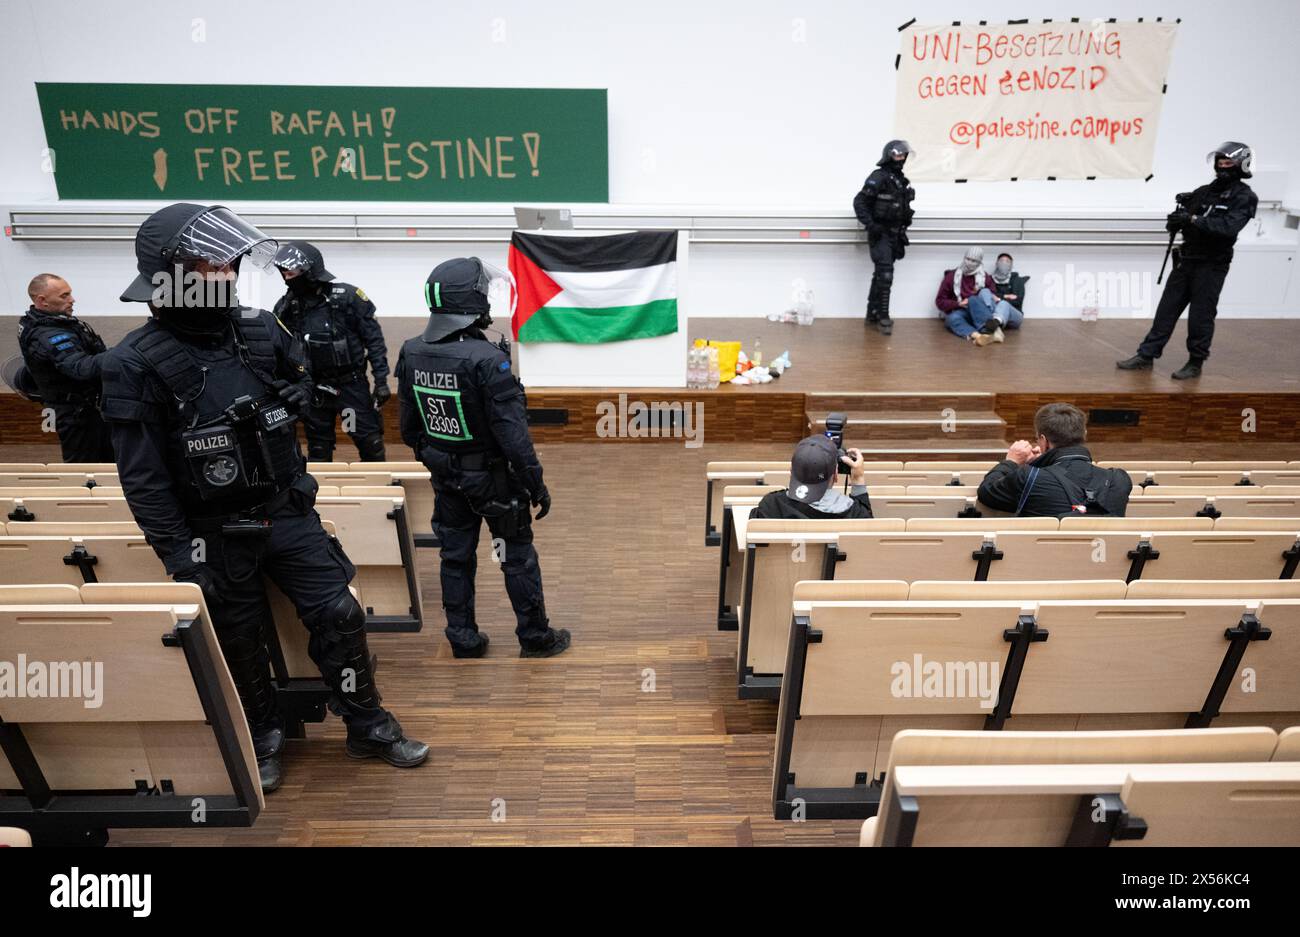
(1033, 101)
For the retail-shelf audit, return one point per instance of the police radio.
(251, 445)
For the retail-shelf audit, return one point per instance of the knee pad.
(885, 275)
(320, 452)
(370, 448)
(345, 616)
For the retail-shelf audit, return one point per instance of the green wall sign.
(230, 142)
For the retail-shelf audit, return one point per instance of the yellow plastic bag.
(728, 355)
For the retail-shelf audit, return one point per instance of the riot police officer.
(1210, 218)
(463, 414)
(336, 322)
(884, 206)
(63, 356)
(202, 401)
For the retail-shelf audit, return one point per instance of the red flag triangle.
(535, 288)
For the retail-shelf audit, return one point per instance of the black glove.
(206, 578)
(295, 395)
(542, 499)
(381, 394)
(1177, 220)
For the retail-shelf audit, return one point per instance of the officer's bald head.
(49, 292)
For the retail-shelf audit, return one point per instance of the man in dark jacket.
(1210, 219)
(336, 323)
(812, 479)
(1055, 476)
(64, 356)
(884, 207)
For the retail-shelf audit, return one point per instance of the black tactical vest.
(235, 441)
(55, 386)
(448, 395)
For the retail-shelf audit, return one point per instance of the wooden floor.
(1046, 356)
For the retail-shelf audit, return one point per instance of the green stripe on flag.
(604, 324)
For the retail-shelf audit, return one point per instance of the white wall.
(710, 104)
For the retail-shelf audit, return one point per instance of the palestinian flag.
(608, 288)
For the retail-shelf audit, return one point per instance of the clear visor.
(499, 287)
(220, 237)
(1240, 155)
(291, 259)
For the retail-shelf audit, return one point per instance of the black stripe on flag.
(599, 252)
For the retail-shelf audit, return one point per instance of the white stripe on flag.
(604, 288)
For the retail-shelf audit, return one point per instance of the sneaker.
(981, 338)
(1189, 370)
(1136, 363)
(558, 645)
(991, 326)
(998, 335)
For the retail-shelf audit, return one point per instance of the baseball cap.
(812, 469)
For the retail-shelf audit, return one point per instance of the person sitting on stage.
(812, 478)
(1009, 286)
(1055, 475)
(968, 304)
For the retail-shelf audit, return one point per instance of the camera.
(835, 423)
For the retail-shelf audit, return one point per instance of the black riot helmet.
(177, 248)
(16, 375)
(457, 294)
(305, 259)
(1243, 159)
(894, 148)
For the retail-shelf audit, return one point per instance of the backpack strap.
(1029, 486)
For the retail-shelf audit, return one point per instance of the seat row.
(860, 668)
(1207, 787)
(125, 714)
(1143, 472)
(372, 524)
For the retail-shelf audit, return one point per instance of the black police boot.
(385, 740)
(557, 642)
(1136, 363)
(884, 323)
(471, 650)
(872, 315)
(268, 743)
(1191, 369)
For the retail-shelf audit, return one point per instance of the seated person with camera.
(1055, 475)
(812, 491)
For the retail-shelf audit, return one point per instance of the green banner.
(230, 142)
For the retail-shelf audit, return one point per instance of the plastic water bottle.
(690, 368)
(715, 373)
(757, 356)
(1090, 308)
(805, 308)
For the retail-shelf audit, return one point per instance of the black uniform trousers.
(357, 407)
(1196, 283)
(313, 572)
(886, 248)
(457, 527)
(83, 434)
